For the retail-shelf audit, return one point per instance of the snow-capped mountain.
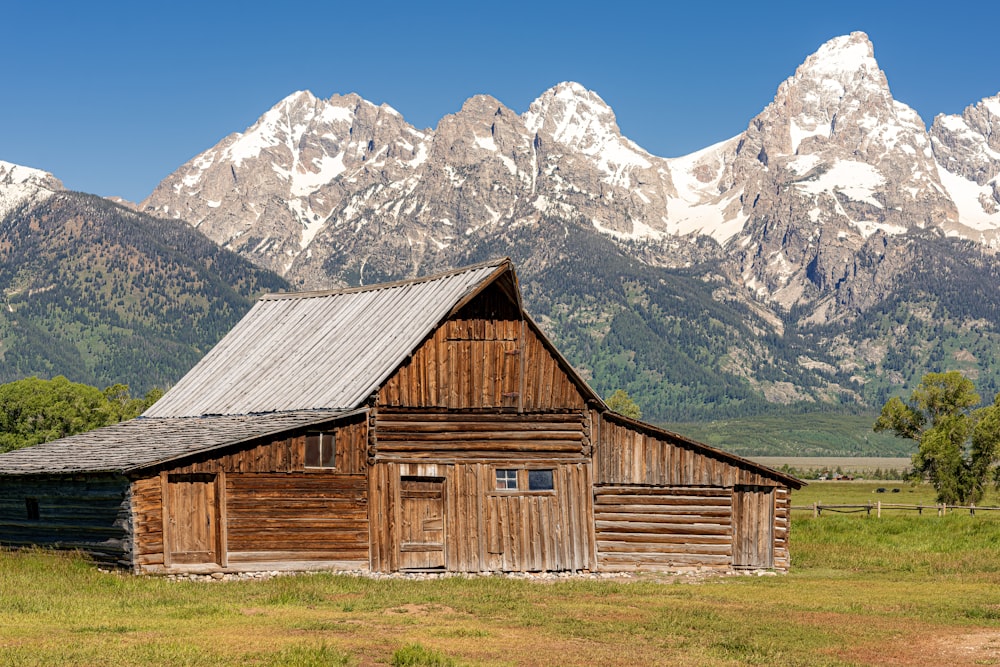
(830, 171)
(23, 185)
(777, 256)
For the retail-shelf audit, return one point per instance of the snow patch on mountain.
(23, 185)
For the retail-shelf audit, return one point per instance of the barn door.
(421, 543)
(191, 509)
(753, 526)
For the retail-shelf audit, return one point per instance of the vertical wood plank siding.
(482, 362)
(490, 530)
(89, 513)
(274, 508)
(627, 456)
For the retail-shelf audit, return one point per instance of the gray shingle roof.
(320, 350)
(143, 442)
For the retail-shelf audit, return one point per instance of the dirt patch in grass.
(420, 609)
(934, 647)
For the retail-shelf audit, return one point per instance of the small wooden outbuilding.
(419, 425)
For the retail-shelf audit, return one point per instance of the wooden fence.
(818, 508)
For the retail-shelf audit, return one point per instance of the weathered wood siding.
(297, 517)
(626, 455)
(733, 514)
(484, 357)
(663, 528)
(271, 509)
(452, 436)
(782, 528)
(485, 529)
(89, 513)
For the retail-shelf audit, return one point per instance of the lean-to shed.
(418, 425)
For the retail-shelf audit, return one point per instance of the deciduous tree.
(958, 446)
(34, 411)
(623, 404)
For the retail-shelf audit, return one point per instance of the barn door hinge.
(511, 394)
(512, 351)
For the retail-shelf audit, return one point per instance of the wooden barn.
(419, 425)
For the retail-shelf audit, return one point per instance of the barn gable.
(487, 354)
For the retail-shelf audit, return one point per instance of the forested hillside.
(102, 294)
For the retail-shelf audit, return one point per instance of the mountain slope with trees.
(104, 295)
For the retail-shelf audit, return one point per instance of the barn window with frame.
(320, 450)
(540, 480)
(506, 479)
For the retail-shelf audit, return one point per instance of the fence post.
(868, 510)
(878, 512)
(815, 509)
(972, 509)
(920, 509)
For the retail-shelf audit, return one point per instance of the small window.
(320, 450)
(540, 480)
(507, 479)
(31, 508)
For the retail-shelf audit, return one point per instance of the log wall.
(663, 528)
(273, 511)
(782, 528)
(88, 513)
(297, 517)
(452, 436)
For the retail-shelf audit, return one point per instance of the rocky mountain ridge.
(805, 226)
(826, 256)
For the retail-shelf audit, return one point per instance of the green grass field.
(901, 590)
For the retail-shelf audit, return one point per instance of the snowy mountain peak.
(15, 174)
(20, 185)
(572, 115)
(844, 56)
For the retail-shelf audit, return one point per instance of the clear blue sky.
(113, 96)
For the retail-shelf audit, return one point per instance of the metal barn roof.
(320, 350)
(141, 443)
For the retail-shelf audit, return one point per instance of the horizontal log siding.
(283, 458)
(451, 436)
(89, 513)
(296, 517)
(147, 518)
(624, 455)
(663, 528)
(287, 454)
(782, 528)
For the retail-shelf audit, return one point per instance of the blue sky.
(111, 97)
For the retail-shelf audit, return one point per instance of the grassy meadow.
(901, 590)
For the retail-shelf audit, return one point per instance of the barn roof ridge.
(302, 352)
(503, 262)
